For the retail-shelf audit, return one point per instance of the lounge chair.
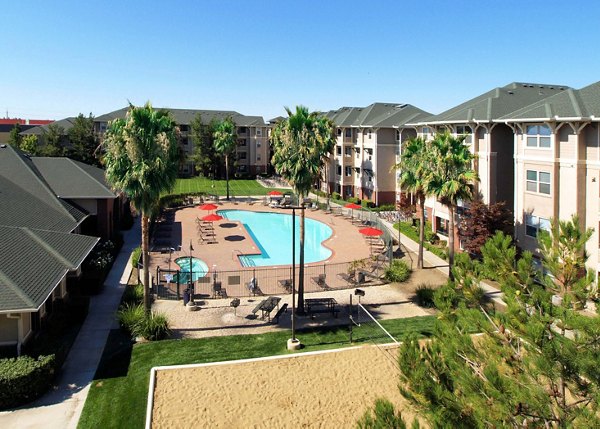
(286, 284)
(206, 240)
(320, 280)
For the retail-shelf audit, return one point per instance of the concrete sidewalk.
(61, 407)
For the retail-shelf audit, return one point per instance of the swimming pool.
(199, 269)
(272, 233)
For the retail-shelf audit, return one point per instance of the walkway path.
(61, 408)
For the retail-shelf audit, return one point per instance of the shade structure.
(212, 217)
(275, 193)
(208, 207)
(371, 232)
(352, 206)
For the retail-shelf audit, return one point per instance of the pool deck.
(346, 243)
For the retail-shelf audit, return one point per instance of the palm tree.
(451, 178)
(225, 143)
(141, 160)
(413, 178)
(301, 144)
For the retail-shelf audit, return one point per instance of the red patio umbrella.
(352, 206)
(207, 207)
(371, 232)
(212, 217)
(275, 194)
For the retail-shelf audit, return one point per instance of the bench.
(282, 310)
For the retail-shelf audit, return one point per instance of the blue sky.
(62, 58)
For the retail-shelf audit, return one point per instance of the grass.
(413, 233)
(117, 396)
(237, 187)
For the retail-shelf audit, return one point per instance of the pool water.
(199, 269)
(272, 233)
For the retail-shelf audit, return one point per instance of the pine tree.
(535, 365)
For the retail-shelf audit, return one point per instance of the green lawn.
(219, 187)
(117, 397)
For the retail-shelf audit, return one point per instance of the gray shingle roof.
(34, 262)
(66, 124)
(496, 103)
(26, 199)
(73, 179)
(390, 115)
(185, 116)
(571, 103)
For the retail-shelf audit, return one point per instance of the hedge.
(24, 379)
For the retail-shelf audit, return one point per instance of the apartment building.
(557, 164)
(491, 140)
(252, 153)
(367, 145)
(7, 124)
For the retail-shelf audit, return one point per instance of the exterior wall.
(502, 177)
(252, 150)
(105, 218)
(9, 330)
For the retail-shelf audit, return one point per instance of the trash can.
(186, 296)
(361, 277)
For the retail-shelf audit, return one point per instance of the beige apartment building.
(490, 140)
(557, 164)
(252, 153)
(367, 144)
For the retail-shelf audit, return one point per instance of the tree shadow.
(235, 238)
(116, 355)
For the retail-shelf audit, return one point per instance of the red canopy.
(212, 217)
(371, 232)
(353, 206)
(207, 207)
(273, 193)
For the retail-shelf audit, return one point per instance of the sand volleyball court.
(312, 390)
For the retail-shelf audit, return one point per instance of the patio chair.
(320, 280)
(206, 240)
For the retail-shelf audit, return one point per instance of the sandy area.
(325, 390)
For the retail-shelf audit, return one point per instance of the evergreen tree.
(14, 137)
(205, 156)
(83, 141)
(535, 365)
(53, 139)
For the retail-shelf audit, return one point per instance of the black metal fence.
(273, 280)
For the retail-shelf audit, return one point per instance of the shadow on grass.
(116, 356)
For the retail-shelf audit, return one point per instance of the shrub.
(133, 294)
(130, 316)
(336, 196)
(154, 327)
(353, 200)
(24, 379)
(398, 271)
(382, 207)
(150, 326)
(424, 295)
(136, 256)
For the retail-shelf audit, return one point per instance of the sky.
(62, 58)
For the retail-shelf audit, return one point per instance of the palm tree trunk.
(300, 309)
(145, 261)
(227, 174)
(451, 241)
(421, 202)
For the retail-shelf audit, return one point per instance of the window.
(183, 128)
(338, 169)
(243, 130)
(242, 155)
(339, 132)
(348, 171)
(538, 136)
(257, 143)
(348, 151)
(241, 142)
(338, 150)
(258, 158)
(242, 168)
(538, 181)
(425, 131)
(533, 224)
(463, 129)
(259, 132)
(397, 135)
(369, 134)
